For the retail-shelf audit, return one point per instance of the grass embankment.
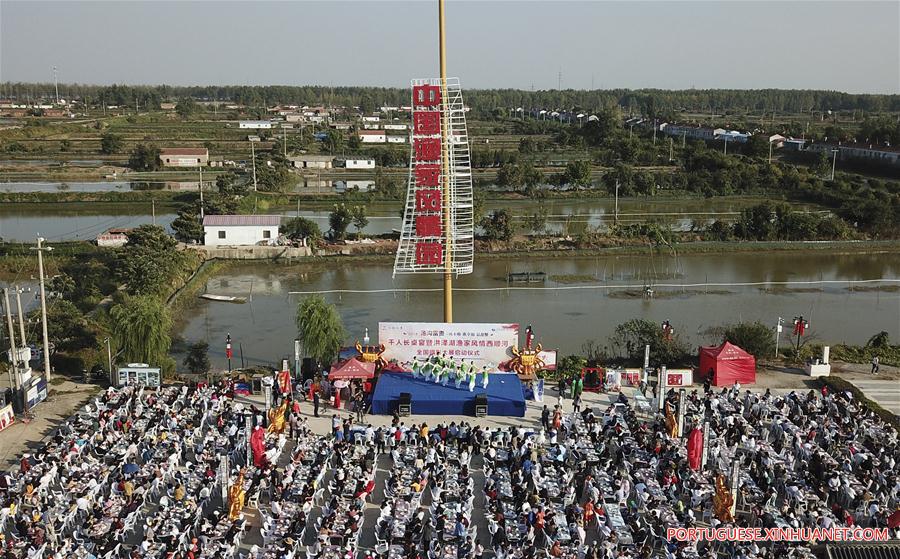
(129, 197)
(636, 247)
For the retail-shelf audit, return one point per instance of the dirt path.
(64, 399)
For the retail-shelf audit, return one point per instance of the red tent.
(728, 363)
(352, 368)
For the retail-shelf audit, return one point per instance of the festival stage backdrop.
(485, 344)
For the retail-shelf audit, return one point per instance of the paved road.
(886, 392)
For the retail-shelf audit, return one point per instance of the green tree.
(140, 327)
(149, 262)
(111, 143)
(334, 141)
(537, 221)
(360, 220)
(758, 222)
(386, 186)
(498, 226)
(320, 329)
(66, 326)
(570, 365)
(63, 285)
(197, 359)
(578, 173)
(229, 184)
(298, 228)
(339, 219)
(187, 226)
(630, 338)
(273, 178)
(185, 107)
(757, 145)
(880, 340)
(144, 158)
(753, 337)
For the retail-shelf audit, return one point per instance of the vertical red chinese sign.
(424, 243)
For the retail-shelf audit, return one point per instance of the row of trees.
(626, 345)
(653, 102)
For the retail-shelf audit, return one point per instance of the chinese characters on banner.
(427, 168)
(434, 198)
(485, 344)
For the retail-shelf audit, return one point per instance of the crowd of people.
(148, 473)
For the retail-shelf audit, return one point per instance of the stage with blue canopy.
(504, 395)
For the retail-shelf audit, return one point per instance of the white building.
(394, 127)
(358, 163)
(396, 139)
(255, 124)
(372, 136)
(113, 238)
(312, 161)
(240, 230)
(695, 132)
(371, 119)
(184, 157)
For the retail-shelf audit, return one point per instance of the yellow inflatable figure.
(276, 418)
(236, 497)
(723, 500)
(671, 422)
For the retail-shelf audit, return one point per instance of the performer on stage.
(459, 372)
(440, 367)
(445, 371)
(484, 376)
(416, 367)
(470, 371)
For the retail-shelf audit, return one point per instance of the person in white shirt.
(83, 504)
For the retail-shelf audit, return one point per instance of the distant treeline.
(645, 101)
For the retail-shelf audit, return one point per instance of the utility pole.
(56, 83)
(778, 328)
(445, 169)
(726, 145)
(21, 317)
(671, 149)
(284, 131)
(833, 163)
(40, 250)
(654, 131)
(201, 192)
(684, 139)
(253, 160)
(617, 202)
(109, 359)
(153, 209)
(13, 351)
(770, 153)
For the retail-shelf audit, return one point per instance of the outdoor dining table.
(331, 552)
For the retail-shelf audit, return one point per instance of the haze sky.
(851, 46)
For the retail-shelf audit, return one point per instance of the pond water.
(694, 292)
(58, 222)
(79, 222)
